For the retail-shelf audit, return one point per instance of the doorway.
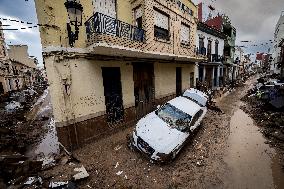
(1, 88)
(144, 91)
(113, 94)
(178, 82)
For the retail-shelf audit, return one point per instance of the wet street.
(228, 151)
(252, 163)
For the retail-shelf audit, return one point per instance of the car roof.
(185, 105)
(192, 90)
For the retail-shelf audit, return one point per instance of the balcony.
(215, 58)
(201, 51)
(103, 24)
(107, 36)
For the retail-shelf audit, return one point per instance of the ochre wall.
(86, 91)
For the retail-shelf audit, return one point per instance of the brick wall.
(173, 46)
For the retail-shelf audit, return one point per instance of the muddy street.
(228, 151)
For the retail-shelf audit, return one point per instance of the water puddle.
(252, 163)
(49, 144)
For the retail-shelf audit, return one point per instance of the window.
(138, 13)
(184, 34)
(161, 27)
(209, 48)
(192, 79)
(201, 42)
(216, 48)
(106, 7)
(174, 117)
(196, 117)
(202, 49)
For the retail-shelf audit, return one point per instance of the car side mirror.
(158, 107)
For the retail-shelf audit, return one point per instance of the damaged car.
(196, 96)
(162, 133)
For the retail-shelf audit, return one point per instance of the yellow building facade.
(130, 56)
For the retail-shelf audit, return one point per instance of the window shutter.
(161, 20)
(107, 7)
(184, 33)
(138, 12)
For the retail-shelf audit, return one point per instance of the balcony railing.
(215, 58)
(103, 24)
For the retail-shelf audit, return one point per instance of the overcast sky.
(254, 20)
(24, 11)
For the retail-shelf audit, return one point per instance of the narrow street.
(129, 94)
(251, 161)
(227, 152)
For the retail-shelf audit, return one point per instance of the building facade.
(276, 53)
(240, 60)
(17, 69)
(5, 65)
(223, 23)
(24, 67)
(130, 56)
(210, 43)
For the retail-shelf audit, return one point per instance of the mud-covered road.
(228, 151)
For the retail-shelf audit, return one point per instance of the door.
(191, 79)
(178, 82)
(1, 88)
(209, 50)
(143, 76)
(113, 94)
(215, 76)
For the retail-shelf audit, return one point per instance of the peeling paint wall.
(84, 97)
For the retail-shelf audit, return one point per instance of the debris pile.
(265, 104)
(17, 133)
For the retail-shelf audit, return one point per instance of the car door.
(196, 120)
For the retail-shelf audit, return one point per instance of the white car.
(162, 133)
(197, 96)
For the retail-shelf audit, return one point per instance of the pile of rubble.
(16, 134)
(265, 104)
(25, 118)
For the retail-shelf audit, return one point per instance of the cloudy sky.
(254, 20)
(21, 10)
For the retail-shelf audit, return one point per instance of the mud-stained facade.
(124, 63)
(5, 65)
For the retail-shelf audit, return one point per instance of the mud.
(200, 164)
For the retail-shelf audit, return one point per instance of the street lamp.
(74, 9)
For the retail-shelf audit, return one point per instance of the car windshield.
(201, 101)
(175, 118)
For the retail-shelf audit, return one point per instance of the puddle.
(251, 162)
(49, 144)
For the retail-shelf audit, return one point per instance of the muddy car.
(196, 96)
(161, 134)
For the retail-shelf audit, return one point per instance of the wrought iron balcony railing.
(216, 58)
(103, 24)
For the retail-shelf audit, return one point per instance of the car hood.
(158, 134)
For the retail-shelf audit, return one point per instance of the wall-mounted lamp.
(74, 9)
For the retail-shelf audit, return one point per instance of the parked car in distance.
(196, 96)
(162, 133)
